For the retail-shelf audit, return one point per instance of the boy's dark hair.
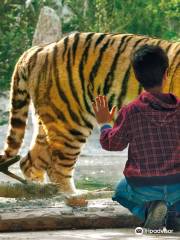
(149, 63)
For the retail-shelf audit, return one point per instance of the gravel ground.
(99, 234)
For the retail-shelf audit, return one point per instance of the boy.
(151, 127)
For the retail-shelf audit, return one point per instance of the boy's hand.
(101, 110)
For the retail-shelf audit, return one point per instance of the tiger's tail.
(20, 100)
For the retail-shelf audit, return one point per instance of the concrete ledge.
(100, 213)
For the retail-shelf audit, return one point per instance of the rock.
(4, 107)
(48, 28)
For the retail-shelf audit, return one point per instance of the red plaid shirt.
(151, 127)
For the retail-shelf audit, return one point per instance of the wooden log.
(99, 214)
(30, 190)
(62, 223)
(35, 190)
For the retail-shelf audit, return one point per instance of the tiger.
(62, 79)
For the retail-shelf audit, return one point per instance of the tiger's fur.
(62, 79)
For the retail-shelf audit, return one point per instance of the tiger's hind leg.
(64, 143)
(61, 169)
(35, 163)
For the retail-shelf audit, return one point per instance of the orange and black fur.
(62, 79)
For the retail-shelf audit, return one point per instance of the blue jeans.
(137, 199)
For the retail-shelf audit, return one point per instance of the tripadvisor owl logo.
(141, 231)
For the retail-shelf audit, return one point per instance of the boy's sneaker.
(173, 223)
(156, 215)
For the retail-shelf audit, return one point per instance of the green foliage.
(92, 184)
(158, 18)
(17, 25)
(15, 36)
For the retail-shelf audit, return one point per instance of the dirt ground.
(99, 234)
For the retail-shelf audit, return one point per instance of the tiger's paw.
(34, 175)
(65, 184)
